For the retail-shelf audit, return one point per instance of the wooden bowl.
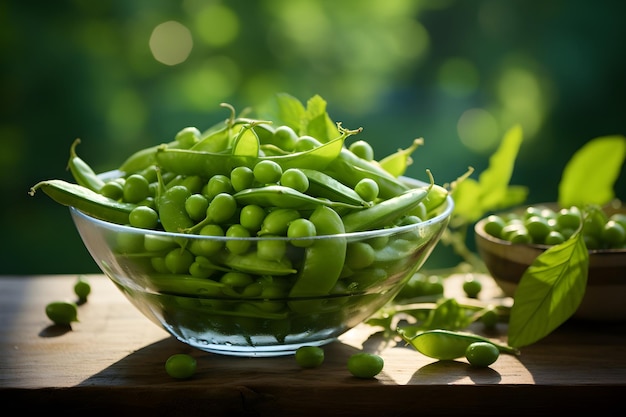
(605, 295)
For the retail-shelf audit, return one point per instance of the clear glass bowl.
(253, 314)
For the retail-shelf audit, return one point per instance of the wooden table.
(112, 363)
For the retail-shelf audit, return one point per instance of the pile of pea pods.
(278, 184)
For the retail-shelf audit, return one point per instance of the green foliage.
(549, 292)
(492, 190)
(590, 175)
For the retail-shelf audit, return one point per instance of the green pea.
(299, 229)
(62, 312)
(613, 234)
(285, 138)
(538, 228)
(309, 356)
(196, 206)
(367, 189)
(222, 208)
(362, 149)
(181, 366)
(306, 143)
(555, 237)
(136, 188)
(277, 221)
(267, 171)
(158, 243)
(217, 184)
(365, 365)
(208, 247)
(359, 255)
(241, 178)
(113, 190)
(271, 249)
(82, 289)
(296, 179)
(489, 317)
(569, 218)
(472, 286)
(236, 279)
(178, 261)
(144, 217)
(482, 354)
(238, 246)
(251, 217)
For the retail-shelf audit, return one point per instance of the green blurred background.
(123, 75)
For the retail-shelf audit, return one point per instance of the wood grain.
(112, 361)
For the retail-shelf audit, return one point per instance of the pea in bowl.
(508, 257)
(261, 295)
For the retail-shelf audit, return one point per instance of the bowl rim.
(441, 218)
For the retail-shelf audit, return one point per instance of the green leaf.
(549, 292)
(589, 176)
(494, 181)
(316, 121)
(492, 191)
(290, 110)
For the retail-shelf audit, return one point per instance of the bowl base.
(252, 351)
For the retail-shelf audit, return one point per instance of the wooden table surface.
(112, 363)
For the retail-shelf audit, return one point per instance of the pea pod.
(85, 200)
(435, 198)
(323, 261)
(385, 212)
(82, 172)
(172, 212)
(207, 164)
(251, 263)
(184, 285)
(350, 169)
(447, 344)
(246, 142)
(397, 163)
(286, 197)
(325, 186)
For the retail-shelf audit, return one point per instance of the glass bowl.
(246, 306)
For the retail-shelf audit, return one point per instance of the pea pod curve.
(85, 200)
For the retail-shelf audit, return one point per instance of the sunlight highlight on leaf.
(549, 292)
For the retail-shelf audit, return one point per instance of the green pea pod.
(447, 344)
(350, 169)
(286, 197)
(252, 264)
(385, 212)
(82, 172)
(323, 261)
(184, 285)
(215, 141)
(143, 158)
(397, 163)
(172, 212)
(246, 142)
(206, 164)
(325, 186)
(435, 198)
(85, 200)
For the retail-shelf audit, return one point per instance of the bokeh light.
(171, 43)
(478, 130)
(124, 75)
